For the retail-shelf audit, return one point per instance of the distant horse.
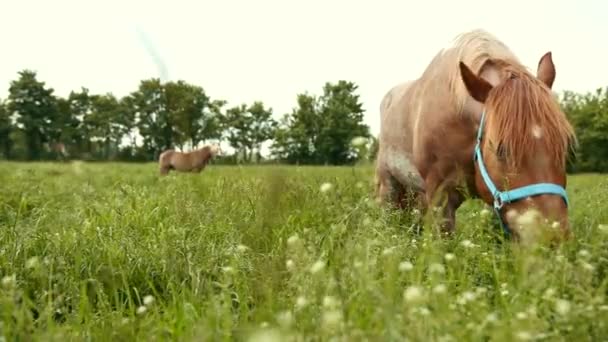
(194, 161)
(474, 122)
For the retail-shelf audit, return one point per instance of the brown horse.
(477, 87)
(194, 161)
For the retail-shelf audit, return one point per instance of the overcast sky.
(266, 50)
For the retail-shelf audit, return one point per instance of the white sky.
(266, 50)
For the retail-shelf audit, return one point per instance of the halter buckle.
(498, 203)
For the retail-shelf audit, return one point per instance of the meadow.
(111, 251)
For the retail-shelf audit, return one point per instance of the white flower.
(358, 141)
(32, 262)
(562, 306)
(332, 318)
(413, 294)
(293, 239)
(285, 319)
(9, 281)
(148, 300)
(436, 268)
(388, 251)
(325, 187)
(467, 243)
(290, 265)
(449, 257)
(524, 335)
(440, 289)
(329, 302)
(317, 267)
(405, 266)
(141, 310)
(301, 302)
(583, 253)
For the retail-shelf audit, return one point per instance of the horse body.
(429, 126)
(194, 161)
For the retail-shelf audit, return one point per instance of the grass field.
(113, 252)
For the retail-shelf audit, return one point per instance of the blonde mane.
(474, 48)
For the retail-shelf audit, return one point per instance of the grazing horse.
(193, 161)
(477, 123)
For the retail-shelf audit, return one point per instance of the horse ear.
(478, 87)
(546, 69)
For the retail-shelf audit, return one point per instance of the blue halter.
(502, 197)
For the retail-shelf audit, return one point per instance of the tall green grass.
(114, 252)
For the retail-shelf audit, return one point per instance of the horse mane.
(515, 106)
(474, 48)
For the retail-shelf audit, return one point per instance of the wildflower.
(437, 268)
(358, 141)
(405, 266)
(290, 265)
(524, 336)
(587, 266)
(301, 302)
(141, 310)
(9, 281)
(466, 297)
(317, 267)
(285, 319)
(32, 262)
(293, 239)
(492, 317)
(449, 257)
(325, 187)
(388, 251)
(562, 306)
(439, 289)
(148, 300)
(329, 302)
(332, 318)
(413, 294)
(583, 253)
(466, 243)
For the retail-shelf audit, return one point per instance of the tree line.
(328, 129)
(37, 124)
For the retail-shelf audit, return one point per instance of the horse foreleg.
(443, 198)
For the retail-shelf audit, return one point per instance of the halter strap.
(502, 197)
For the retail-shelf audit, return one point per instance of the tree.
(153, 119)
(36, 109)
(320, 130)
(192, 112)
(6, 127)
(105, 120)
(248, 127)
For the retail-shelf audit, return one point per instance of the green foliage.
(589, 115)
(6, 127)
(36, 110)
(109, 251)
(247, 127)
(320, 130)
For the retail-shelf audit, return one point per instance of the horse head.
(522, 145)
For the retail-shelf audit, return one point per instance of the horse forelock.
(518, 110)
